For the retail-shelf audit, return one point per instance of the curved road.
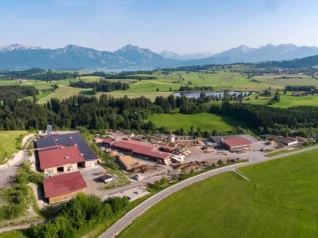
(126, 220)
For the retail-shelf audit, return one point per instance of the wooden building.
(63, 187)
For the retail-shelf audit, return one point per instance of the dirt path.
(8, 171)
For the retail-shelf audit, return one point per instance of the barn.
(63, 187)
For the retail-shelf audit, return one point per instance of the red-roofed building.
(60, 159)
(63, 187)
(236, 143)
(143, 149)
(108, 141)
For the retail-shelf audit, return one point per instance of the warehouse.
(236, 144)
(63, 187)
(61, 159)
(56, 141)
(144, 150)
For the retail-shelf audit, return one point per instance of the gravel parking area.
(91, 176)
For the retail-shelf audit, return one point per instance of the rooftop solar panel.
(70, 139)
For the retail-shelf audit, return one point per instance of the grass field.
(205, 121)
(280, 201)
(62, 92)
(286, 101)
(10, 143)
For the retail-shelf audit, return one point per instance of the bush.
(220, 162)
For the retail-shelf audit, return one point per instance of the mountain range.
(17, 56)
(185, 56)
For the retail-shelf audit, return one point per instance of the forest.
(17, 92)
(39, 74)
(123, 75)
(300, 88)
(101, 85)
(132, 114)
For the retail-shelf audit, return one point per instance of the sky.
(176, 25)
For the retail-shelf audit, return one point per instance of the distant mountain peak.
(17, 46)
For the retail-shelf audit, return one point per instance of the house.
(56, 141)
(61, 159)
(236, 144)
(144, 150)
(63, 187)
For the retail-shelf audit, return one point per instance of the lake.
(197, 94)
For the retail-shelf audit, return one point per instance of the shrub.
(220, 162)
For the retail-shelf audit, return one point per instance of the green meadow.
(205, 121)
(10, 143)
(280, 201)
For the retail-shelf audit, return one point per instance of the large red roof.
(238, 141)
(142, 148)
(59, 157)
(63, 184)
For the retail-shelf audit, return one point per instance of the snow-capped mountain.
(18, 47)
(18, 56)
(184, 56)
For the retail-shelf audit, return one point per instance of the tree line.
(300, 88)
(124, 75)
(101, 85)
(195, 88)
(265, 117)
(39, 74)
(17, 92)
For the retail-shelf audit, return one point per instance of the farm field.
(220, 80)
(280, 201)
(62, 92)
(205, 121)
(286, 101)
(290, 79)
(291, 101)
(9, 143)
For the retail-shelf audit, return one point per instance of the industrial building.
(282, 140)
(63, 187)
(61, 159)
(145, 150)
(57, 142)
(236, 144)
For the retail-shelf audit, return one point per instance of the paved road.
(126, 220)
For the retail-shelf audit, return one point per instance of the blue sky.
(177, 25)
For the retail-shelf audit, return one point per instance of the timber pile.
(191, 165)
